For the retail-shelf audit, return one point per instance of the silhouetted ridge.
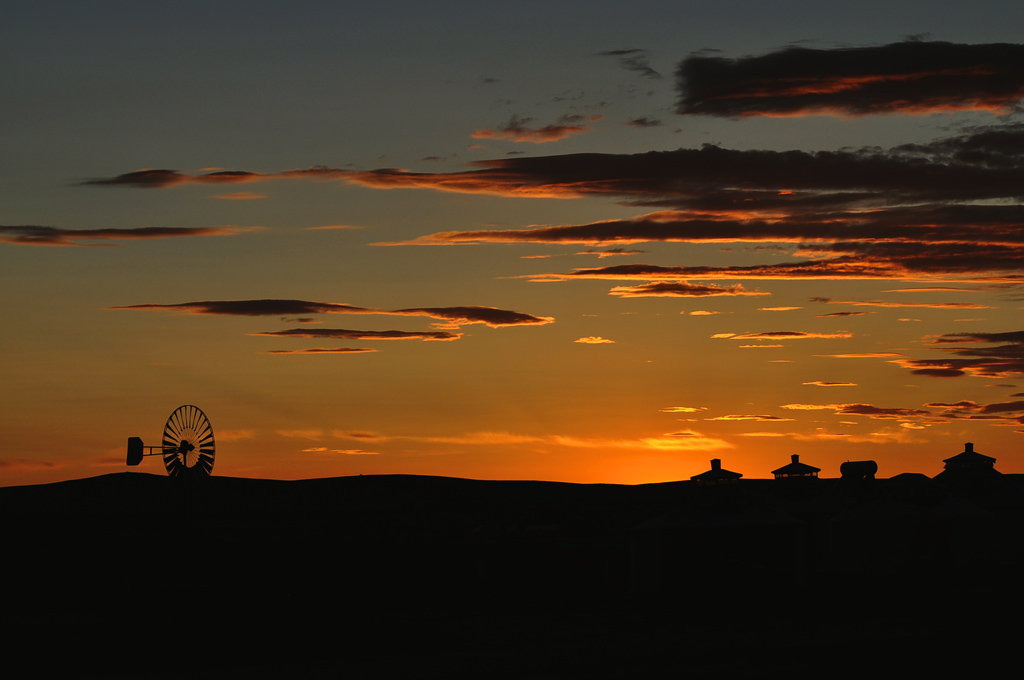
(400, 570)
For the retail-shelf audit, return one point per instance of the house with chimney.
(796, 470)
(716, 475)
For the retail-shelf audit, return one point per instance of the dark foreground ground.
(136, 575)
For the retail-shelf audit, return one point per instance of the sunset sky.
(569, 241)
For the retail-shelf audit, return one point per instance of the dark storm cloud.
(53, 236)
(1003, 360)
(905, 77)
(347, 334)
(451, 316)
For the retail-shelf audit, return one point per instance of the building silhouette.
(796, 470)
(782, 529)
(716, 475)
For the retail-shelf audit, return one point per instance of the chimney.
(795, 457)
(968, 447)
(716, 463)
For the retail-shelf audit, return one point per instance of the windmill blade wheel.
(188, 445)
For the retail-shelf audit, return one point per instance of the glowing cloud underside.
(518, 129)
(907, 77)
(346, 334)
(681, 289)
(320, 350)
(944, 210)
(451, 316)
(1003, 360)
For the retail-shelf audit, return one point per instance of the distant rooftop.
(969, 459)
(716, 475)
(796, 469)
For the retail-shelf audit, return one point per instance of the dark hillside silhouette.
(142, 575)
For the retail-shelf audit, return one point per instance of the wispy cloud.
(998, 414)
(490, 316)
(882, 303)
(235, 435)
(347, 334)
(681, 289)
(643, 122)
(1005, 358)
(156, 179)
(54, 236)
(451, 317)
(265, 307)
(321, 350)
(518, 129)
(241, 196)
(758, 418)
(612, 252)
(595, 340)
(785, 335)
(302, 434)
(635, 60)
(825, 316)
(686, 440)
(866, 410)
(864, 355)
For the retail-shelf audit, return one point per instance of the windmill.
(188, 447)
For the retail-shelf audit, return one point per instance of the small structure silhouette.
(975, 477)
(969, 459)
(855, 470)
(716, 475)
(796, 470)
